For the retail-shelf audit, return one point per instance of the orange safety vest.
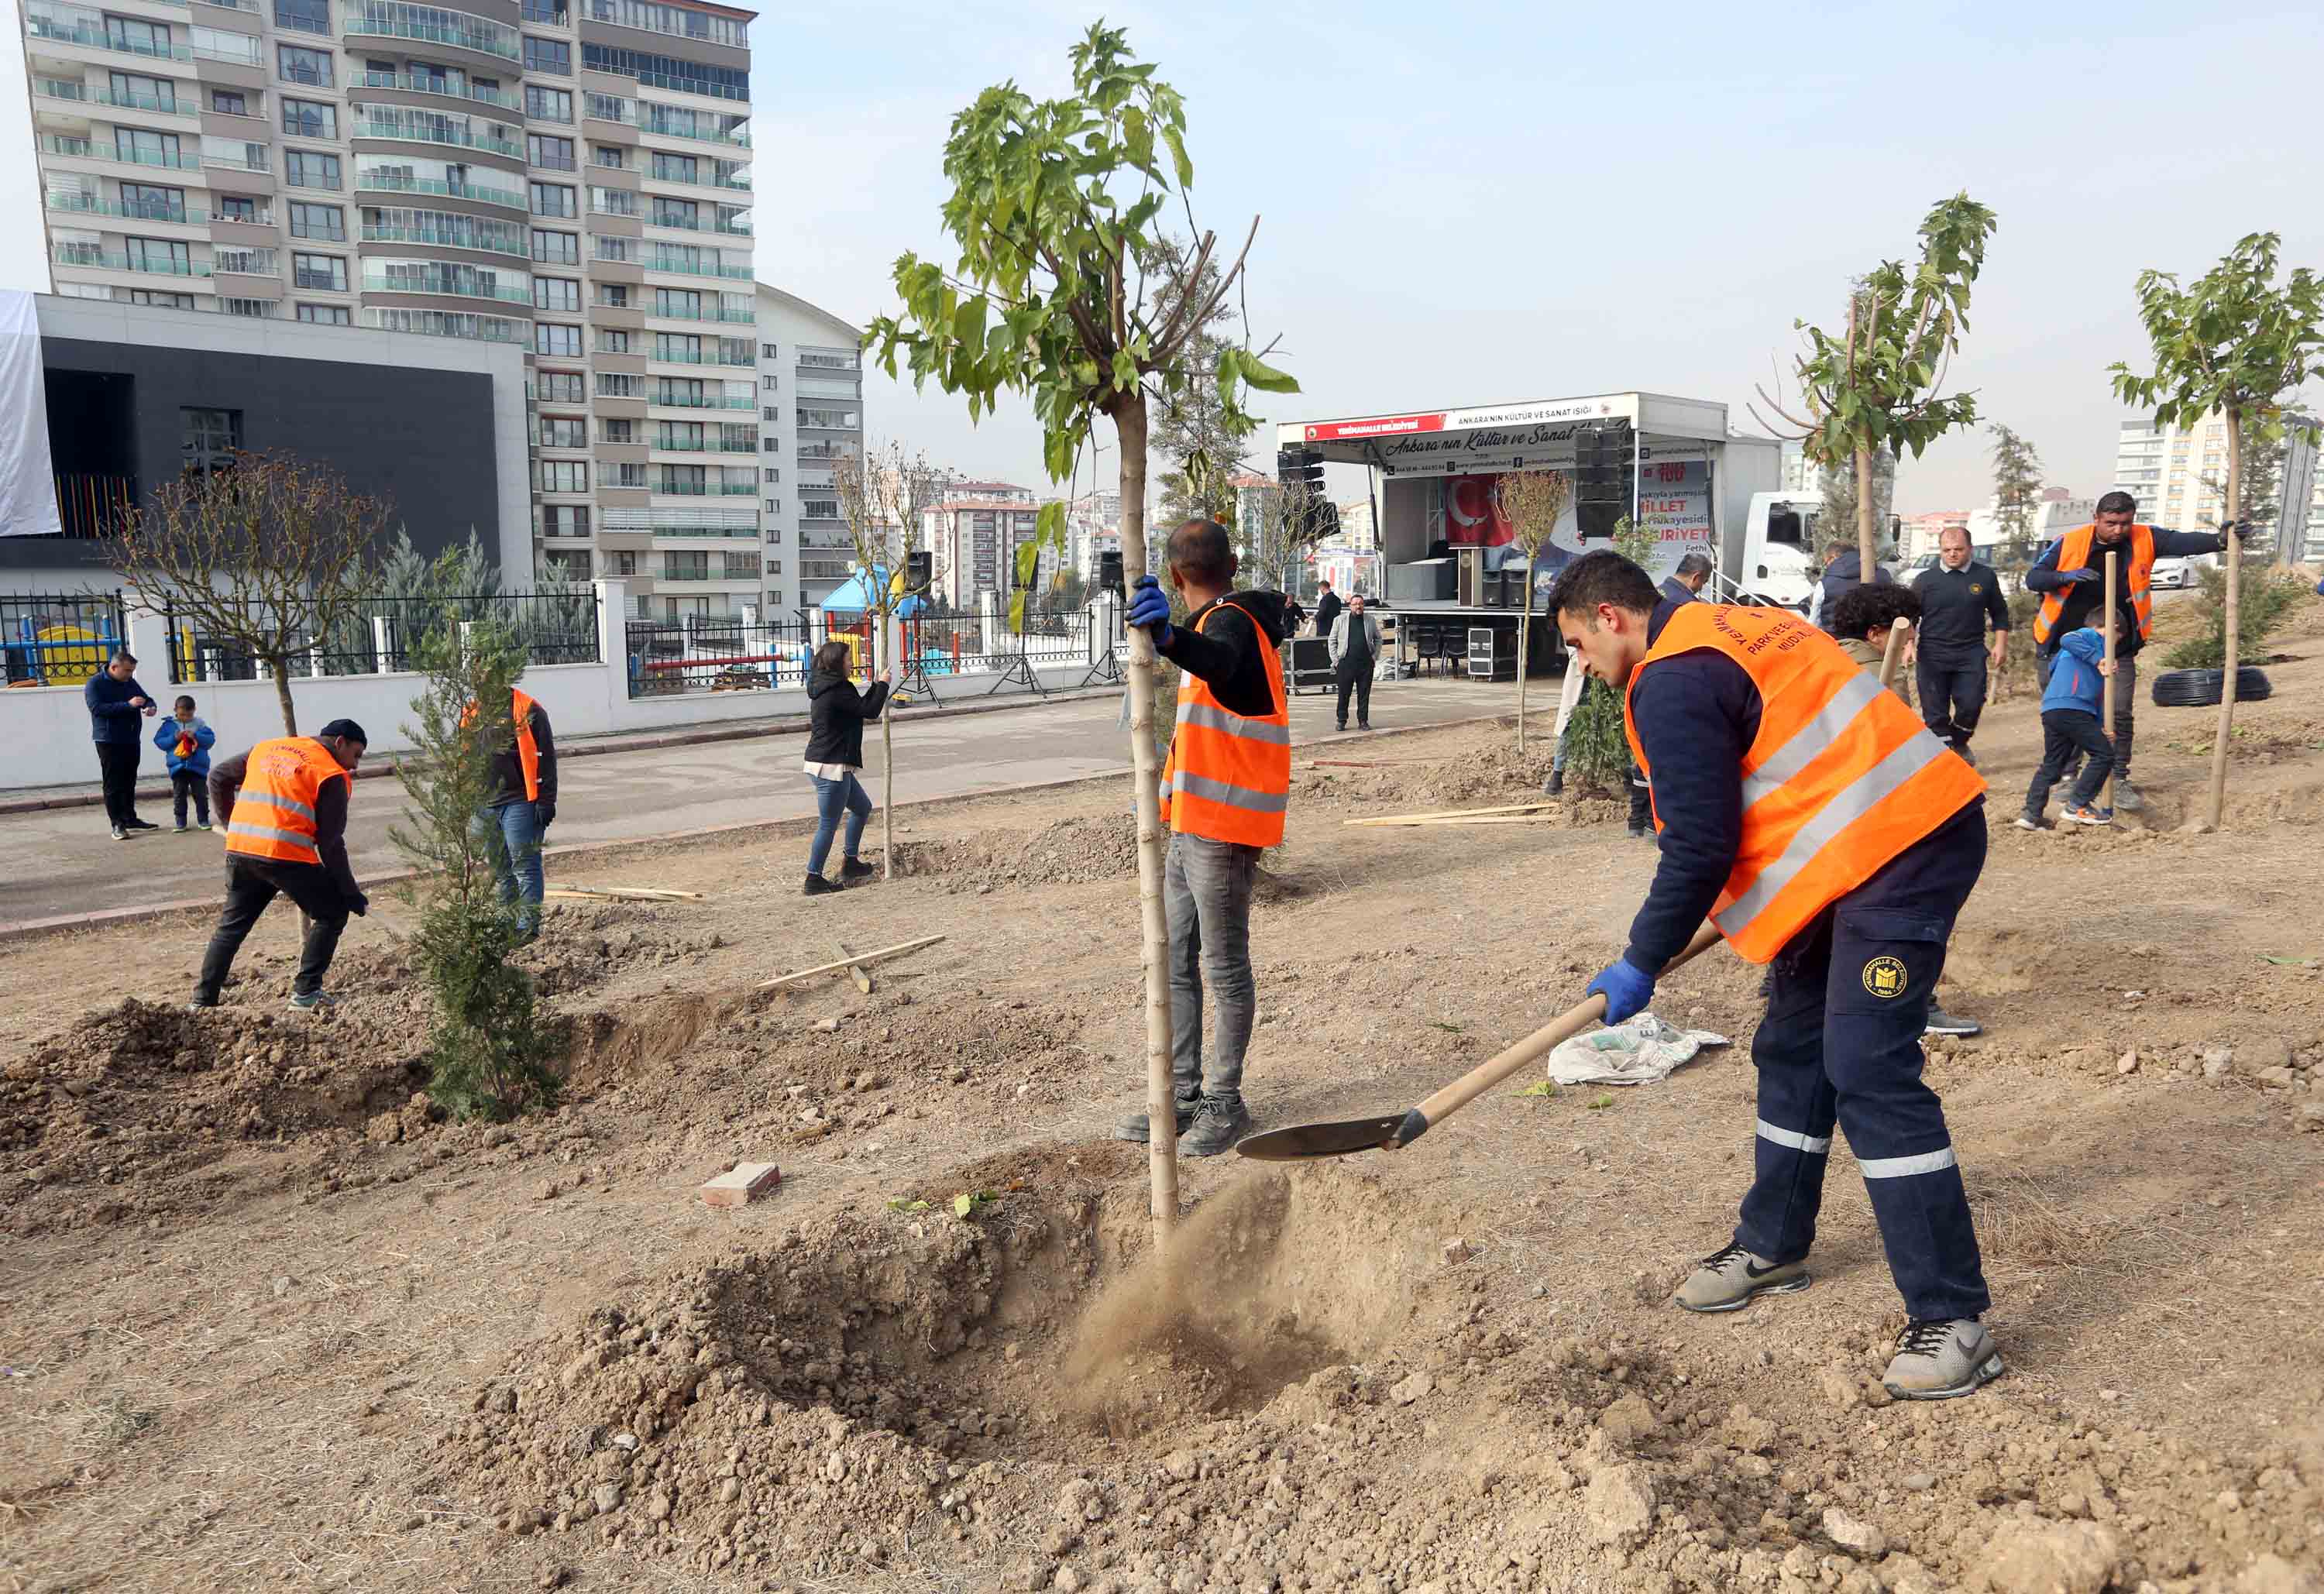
(275, 812)
(528, 750)
(1229, 776)
(2074, 553)
(1841, 777)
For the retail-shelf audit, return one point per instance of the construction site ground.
(266, 1322)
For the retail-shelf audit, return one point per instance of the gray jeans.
(2126, 707)
(1206, 888)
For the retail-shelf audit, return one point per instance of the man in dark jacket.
(1844, 573)
(2069, 593)
(115, 704)
(516, 815)
(1229, 783)
(835, 752)
(1327, 608)
(1959, 596)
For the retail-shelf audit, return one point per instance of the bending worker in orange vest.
(286, 831)
(2071, 583)
(1815, 820)
(1224, 789)
(515, 818)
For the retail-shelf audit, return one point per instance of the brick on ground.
(745, 1183)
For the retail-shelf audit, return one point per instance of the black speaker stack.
(1109, 573)
(1605, 480)
(919, 570)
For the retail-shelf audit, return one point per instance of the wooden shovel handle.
(1532, 1049)
(1892, 655)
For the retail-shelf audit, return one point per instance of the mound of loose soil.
(1485, 771)
(583, 946)
(1066, 851)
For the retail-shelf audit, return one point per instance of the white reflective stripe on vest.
(1792, 1138)
(1232, 797)
(305, 843)
(289, 804)
(1219, 719)
(1904, 1167)
(1829, 723)
(1850, 804)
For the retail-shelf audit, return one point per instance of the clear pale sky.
(1473, 203)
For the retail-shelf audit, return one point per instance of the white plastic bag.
(1637, 1052)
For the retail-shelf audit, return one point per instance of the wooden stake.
(627, 893)
(1893, 652)
(2233, 606)
(2105, 792)
(855, 970)
(881, 955)
(1442, 813)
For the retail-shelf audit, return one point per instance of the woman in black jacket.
(834, 751)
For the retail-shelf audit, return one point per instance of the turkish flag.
(1471, 516)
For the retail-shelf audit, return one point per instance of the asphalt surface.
(63, 861)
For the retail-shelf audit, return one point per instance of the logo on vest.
(1885, 978)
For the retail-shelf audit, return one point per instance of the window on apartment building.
(624, 562)
(143, 92)
(685, 565)
(771, 444)
(306, 118)
(304, 169)
(257, 309)
(146, 147)
(557, 293)
(147, 296)
(561, 475)
(149, 203)
(229, 102)
(768, 413)
(676, 169)
(768, 384)
(548, 104)
(620, 384)
(547, 55)
(612, 340)
(297, 65)
(559, 387)
(613, 296)
(210, 439)
(160, 255)
(307, 16)
(629, 473)
(619, 430)
(327, 222)
(612, 156)
(327, 315)
(555, 248)
(564, 431)
(233, 207)
(553, 12)
(741, 566)
(766, 351)
(326, 272)
(547, 149)
(141, 38)
(770, 505)
(553, 199)
(558, 341)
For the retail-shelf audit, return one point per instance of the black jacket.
(1844, 575)
(1327, 610)
(508, 769)
(836, 733)
(1955, 605)
(1231, 658)
(330, 822)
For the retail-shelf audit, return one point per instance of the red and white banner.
(1472, 515)
(1378, 426)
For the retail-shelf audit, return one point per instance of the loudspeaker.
(1109, 573)
(919, 570)
(1604, 486)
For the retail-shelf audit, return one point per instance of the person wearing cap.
(286, 833)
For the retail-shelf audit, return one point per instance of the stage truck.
(1454, 578)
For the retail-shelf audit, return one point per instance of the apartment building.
(975, 542)
(810, 413)
(570, 177)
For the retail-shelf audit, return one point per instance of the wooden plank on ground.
(865, 961)
(624, 893)
(856, 971)
(1436, 815)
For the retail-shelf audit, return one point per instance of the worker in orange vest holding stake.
(1224, 789)
(1809, 815)
(285, 804)
(516, 816)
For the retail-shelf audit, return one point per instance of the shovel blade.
(1303, 1141)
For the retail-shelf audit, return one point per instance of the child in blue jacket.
(2073, 708)
(185, 740)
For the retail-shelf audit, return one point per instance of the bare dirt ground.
(267, 1322)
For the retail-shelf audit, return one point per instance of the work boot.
(1363, 725)
(816, 886)
(310, 1002)
(2126, 796)
(1968, 757)
(1555, 784)
(1940, 1022)
(1939, 1358)
(1137, 1129)
(1218, 1123)
(1729, 1279)
(856, 869)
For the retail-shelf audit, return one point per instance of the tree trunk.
(1161, 1110)
(1524, 636)
(2233, 605)
(886, 758)
(2113, 565)
(1865, 514)
(281, 668)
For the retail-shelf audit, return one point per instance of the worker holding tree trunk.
(1225, 787)
(2070, 577)
(1811, 815)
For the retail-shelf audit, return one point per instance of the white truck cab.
(1777, 568)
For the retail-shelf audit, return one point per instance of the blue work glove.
(1627, 987)
(2082, 574)
(1150, 608)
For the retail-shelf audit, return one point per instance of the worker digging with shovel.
(1815, 821)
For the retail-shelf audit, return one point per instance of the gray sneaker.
(1939, 1022)
(2126, 796)
(1943, 1359)
(1218, 1125)
(1137, 1129)
(1730, 1279)
(308, 1002)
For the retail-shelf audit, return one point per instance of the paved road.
(61, 860)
